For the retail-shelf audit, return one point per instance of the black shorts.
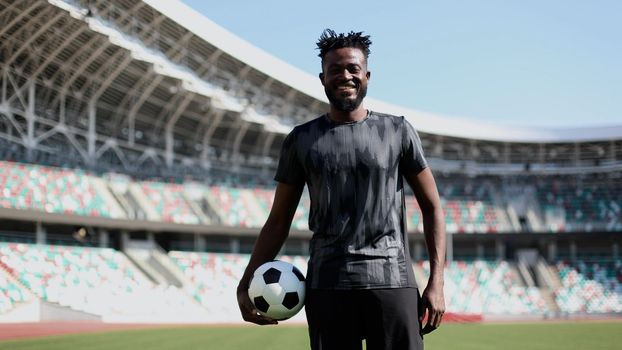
(388, 319)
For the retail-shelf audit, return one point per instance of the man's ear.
(321, 76)
(368, 75)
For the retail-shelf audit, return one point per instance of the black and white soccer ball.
(277, 290)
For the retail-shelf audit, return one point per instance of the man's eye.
(354, 69)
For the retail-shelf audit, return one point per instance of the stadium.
(138, 141)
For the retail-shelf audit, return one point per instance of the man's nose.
(345, 74)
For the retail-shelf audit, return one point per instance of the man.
(360, 283)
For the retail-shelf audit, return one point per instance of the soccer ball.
(277, 290)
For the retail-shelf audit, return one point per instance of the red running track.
(41, 329)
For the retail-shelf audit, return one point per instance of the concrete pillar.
(552, 251)
(41, 234)
(125, 239)
(91, 135)
(500, 249)
(418, 251)
(480, 251)
(234, 245)
(151, 240)
(450, 248)
(104, 238)
(200, 243)
(573, 251)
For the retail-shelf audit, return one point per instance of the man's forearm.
(267, 246)
(434, 231)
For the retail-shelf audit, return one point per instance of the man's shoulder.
(306, 126)
(384, 115)
(303, 134)
(320, 120)
(387, 117)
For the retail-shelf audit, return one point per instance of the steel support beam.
(168, 130)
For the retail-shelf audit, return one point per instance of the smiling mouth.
(346, 88)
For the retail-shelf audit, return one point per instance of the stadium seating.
(468, 204)
(583, 204)
(249, 207)
(479, 287)
(486, 287)
(461, 216)
(236, 206)
(169, 203)
(266, 197)
(590, 286)
(578, 205)
(98, 281)
(104, 282)
(53, 190)
(215, 277)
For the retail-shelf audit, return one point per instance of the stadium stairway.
(535, 274)
(521, 269)
(211, 208)
(253, 206)
(522, 207)
(143, 202)
(549, 298)
(132, 209)
(110, 200)
(548, 282)
(219, 202)
(550, 273)
(195, 207)
(13, 294)
(152, 260)
(500, 211)
(140, 257)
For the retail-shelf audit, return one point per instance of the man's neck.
(345, 117)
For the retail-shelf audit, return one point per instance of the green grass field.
(533, 336)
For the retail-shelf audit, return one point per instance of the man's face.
(345, 76)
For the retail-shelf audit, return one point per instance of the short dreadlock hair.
(329, 40)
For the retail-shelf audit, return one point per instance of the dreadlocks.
(329, 40)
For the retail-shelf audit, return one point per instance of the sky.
(541, 63)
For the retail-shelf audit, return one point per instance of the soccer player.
(360, 282)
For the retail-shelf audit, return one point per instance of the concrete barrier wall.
(41, 311)
(54, 312)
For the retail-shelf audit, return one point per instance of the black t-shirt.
(354, 174)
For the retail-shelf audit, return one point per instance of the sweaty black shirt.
(354, 174)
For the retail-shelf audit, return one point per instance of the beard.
(345, 104)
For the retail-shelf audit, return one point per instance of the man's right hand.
(248, 310)
(269, 242)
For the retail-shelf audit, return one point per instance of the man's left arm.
(424, 187)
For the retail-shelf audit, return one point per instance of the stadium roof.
(309, 85)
